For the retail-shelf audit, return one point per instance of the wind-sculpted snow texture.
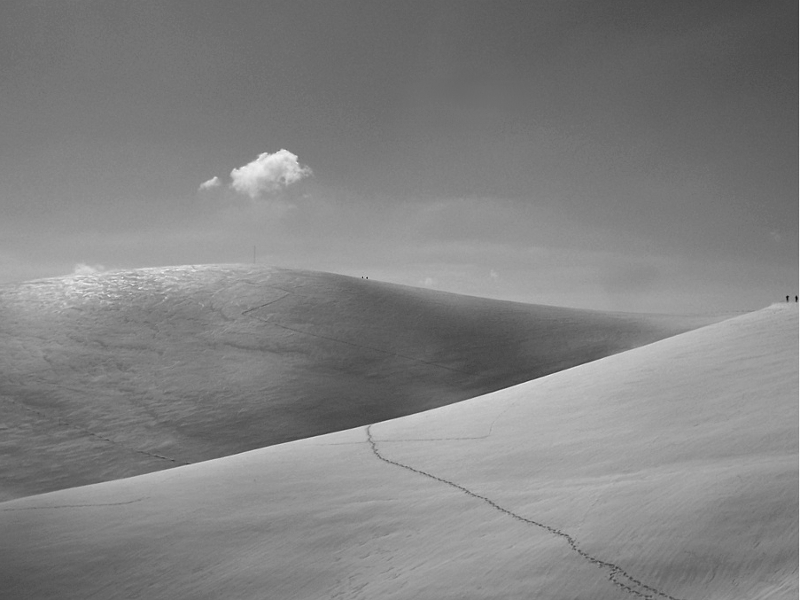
(669, 471)
(115, 374)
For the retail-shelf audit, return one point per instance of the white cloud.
(268, 172)
(211, 184)
(84, 269)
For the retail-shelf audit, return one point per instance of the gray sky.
(624, 155)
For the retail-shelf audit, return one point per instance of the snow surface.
(668, 471)
(110, 375)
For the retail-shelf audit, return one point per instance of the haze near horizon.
(618, 156)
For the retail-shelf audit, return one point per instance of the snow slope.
(668, 471)
(116, 374)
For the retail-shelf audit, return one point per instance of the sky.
(628, 155)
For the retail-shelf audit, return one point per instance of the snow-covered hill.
(666, 472)
(116, 374)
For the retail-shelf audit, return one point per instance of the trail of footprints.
(616, 574)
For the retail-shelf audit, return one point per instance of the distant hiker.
(787, 298)
(795, 298)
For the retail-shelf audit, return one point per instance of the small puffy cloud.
(776, 236)
(494, 275)
(84, 269)
(268, 172)
(428, 282)
(211, 184)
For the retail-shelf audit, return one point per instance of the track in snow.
(63, 423)
(56, 506)
(616, 574)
